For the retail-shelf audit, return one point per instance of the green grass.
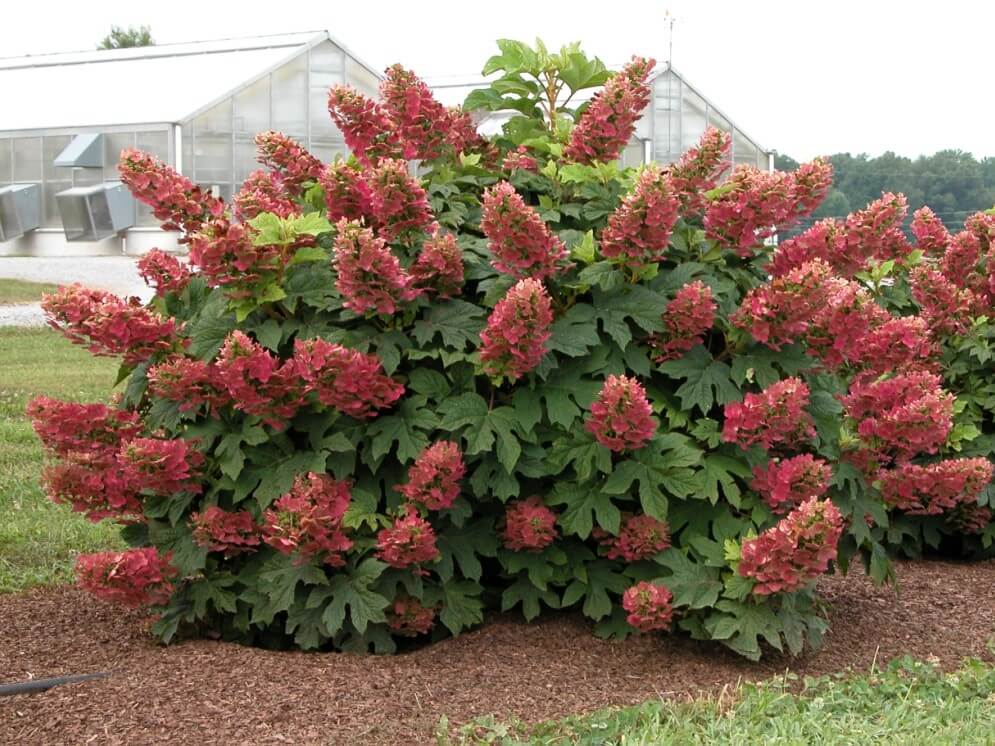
(38, 539)
(908, 703)
(21, 291)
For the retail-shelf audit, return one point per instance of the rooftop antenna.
(669, 19)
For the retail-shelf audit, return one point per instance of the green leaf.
(523, 592)
(279, 577)
(214, 591)
(661, 464)
(461, 546)
(565, 394)
(312, 284)
(483, 426)
(461, 605)
(269, 229)
(600, 580)
(209, 328)
(706, 381)
(584, 250)
(528, 408)
(458, 323)
(312, 224)
(742, 625)
(406, 428)
(584, 506)
(721, 471)
(575, 333)
(278, 478)
(693, 585)
(429, 383)
(352, 591)
(640, 304)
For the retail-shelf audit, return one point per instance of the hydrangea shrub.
(382, 400)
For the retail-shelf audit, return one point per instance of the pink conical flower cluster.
(263, 191)
(776, 416)
(529, 525)
(649, 606)
(434, 477)
(946, 308)
(621, 418)
(785, 484)
(370, 277)
(418, 119)
(439, 266)
(521, 242)
(408, 617)
(514, 341)
(931, 234)
(257, 381)
(347, 195)
(307, 521)
(174, 199)
(133, 578)
(347, 380)
(289, 159)
(687, 318)
(639, 230)
(608, 123)
(108, 325)
(163, 272)
(700, 168)
(230, 533)
(409, 542)
(794, 552)
(937, 488)
(640, 537)
(160, 466)
(189, 383)
(398, 204)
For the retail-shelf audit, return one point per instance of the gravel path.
(115, 273)
(212, 692)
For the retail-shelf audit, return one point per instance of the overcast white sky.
(803, 78)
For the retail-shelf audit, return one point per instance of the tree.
(120, 38)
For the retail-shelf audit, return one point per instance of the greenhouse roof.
(142, 85)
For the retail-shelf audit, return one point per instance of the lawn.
(21, 291)
(38, 539)
(910, 702)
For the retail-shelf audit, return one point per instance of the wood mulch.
(207, 692)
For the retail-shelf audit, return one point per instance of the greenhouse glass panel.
(667, 118)
(212, 148)
(327, 70)
(155, 142)
(251, 118)
(50, 216)
(361, 79)
(744, 151)
(5, 177)
(290, 98)
(694, 113)
(87, 176)
(114, 143)
(27, 159)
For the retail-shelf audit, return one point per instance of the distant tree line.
(953, 183)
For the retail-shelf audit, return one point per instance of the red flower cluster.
(226, 255)
(370, 277)
(641, 537)
(897, 343)
(931, 234)
(108, 325)
(347, 380)
(946, 307)
(826, 241)
(289, 159)
(608, 123)
(418, 120)
(161, 466)
(398, 204)
(190, 383)
(700, 168)
(410, 541)
(439, 266)
(775, 416)
(971, 519)
(621, 417)
(795, 551)
(407, 617)
(218, 530)
(937, 488)
(67, 427)
(520, 160)
(785, 484)
(263, 191)
(688, 316)
(135, 577)
(256, 381)
(514, 341)
(649, 606)
(901, 416)
(308, 519)
(163, 272)
(756, 203)
(88, 438)
(877, 229)
(639, 229)
(464, 138)
(347, 195)
(520, 240)
(365, 125)
(529, 525)
(433, 479)
(174, 199)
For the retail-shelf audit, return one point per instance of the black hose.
(34, 686)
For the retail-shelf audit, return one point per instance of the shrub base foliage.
(377, 404)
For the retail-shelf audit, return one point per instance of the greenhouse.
(198, 107)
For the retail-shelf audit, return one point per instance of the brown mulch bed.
(211, 692)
